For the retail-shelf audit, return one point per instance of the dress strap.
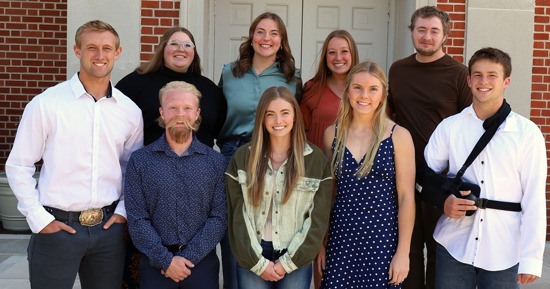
(393, 127)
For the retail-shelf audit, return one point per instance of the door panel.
(233, 18)
(365, 20)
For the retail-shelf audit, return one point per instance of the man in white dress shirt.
(84, 131)
(496, 247)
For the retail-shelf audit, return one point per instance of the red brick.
(540, 36)
(166, 13)
(539, 87)
(149, 4)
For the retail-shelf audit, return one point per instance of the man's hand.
(178, 269)
(56, 226)
(526, 278)
(456, 207)
(115, 218)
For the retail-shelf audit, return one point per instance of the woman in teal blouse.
(265, 60)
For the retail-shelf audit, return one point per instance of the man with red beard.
(424, 88)
(175, 198)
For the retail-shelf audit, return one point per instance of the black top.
(144, 89)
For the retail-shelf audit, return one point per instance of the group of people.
(314, 180)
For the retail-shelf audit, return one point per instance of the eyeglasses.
(186, 45)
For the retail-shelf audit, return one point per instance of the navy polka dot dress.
(363, 228)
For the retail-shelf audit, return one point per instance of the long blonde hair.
(260, 145)
(345, 116)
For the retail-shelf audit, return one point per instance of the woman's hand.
(269, 273)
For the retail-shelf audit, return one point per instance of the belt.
(69, 216)
(175, 248)
(278, 253)
(498, 205)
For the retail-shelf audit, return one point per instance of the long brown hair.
(345, 116)
(323, 71)
(260, 145)
(284, 55)
(157, 62)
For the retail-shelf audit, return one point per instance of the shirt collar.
(161, 145)
(510, 124)
(79, 90)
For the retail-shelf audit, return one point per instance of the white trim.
(194, 15)
(422, 3)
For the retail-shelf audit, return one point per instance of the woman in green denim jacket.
(279, 196)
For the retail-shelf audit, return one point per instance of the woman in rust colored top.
(322, 93)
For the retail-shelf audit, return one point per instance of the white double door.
(308, 22)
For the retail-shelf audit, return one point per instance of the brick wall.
(455, 42)
(540, 88)
(156, 17)
(32, 58)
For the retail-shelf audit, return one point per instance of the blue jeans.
(229, 262)
(298, 279)
(452, 274)
(96, 254)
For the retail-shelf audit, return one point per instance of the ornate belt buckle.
(91, 217)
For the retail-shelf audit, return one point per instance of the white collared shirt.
(511, 168)
(85, 146)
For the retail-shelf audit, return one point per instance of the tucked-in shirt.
(319, 109)
(174, 200)
(144, 89)
(84, 144)
(511, 168)
(299, 225)
(421, 95)
(243, 94)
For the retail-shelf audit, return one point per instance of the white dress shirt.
(511, 168)
(85, 146)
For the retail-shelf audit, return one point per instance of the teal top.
(243, 94)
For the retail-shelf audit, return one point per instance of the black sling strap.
(491, 126)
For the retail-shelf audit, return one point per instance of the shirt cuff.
(260, 267)
(39, 219)
(287, 263)
(530, 266)
(121, 209)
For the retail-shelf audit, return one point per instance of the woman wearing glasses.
(175, 59)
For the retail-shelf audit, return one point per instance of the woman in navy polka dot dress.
(373, 213)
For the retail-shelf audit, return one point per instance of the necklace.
(278, 157)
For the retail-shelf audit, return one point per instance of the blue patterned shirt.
(173, 200)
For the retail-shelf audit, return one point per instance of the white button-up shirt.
(511, 168)
(84, 145)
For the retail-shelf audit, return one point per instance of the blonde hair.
(183, 87)
(260, 145)
(345, 116)
(95, 25)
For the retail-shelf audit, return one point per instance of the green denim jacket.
(299, 225)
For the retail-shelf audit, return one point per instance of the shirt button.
(277, 192)
(276, 212)
(482, 182)
(276, 232)
(482, 162)
(481, 220)
(267, 193)
(263, 213)
(476, 238)
(258, 232)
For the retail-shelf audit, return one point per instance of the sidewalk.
(14, 271)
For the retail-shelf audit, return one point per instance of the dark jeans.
(424, 225)
(452, 274)
(203, 276)
(229, 262)
(97, 255)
